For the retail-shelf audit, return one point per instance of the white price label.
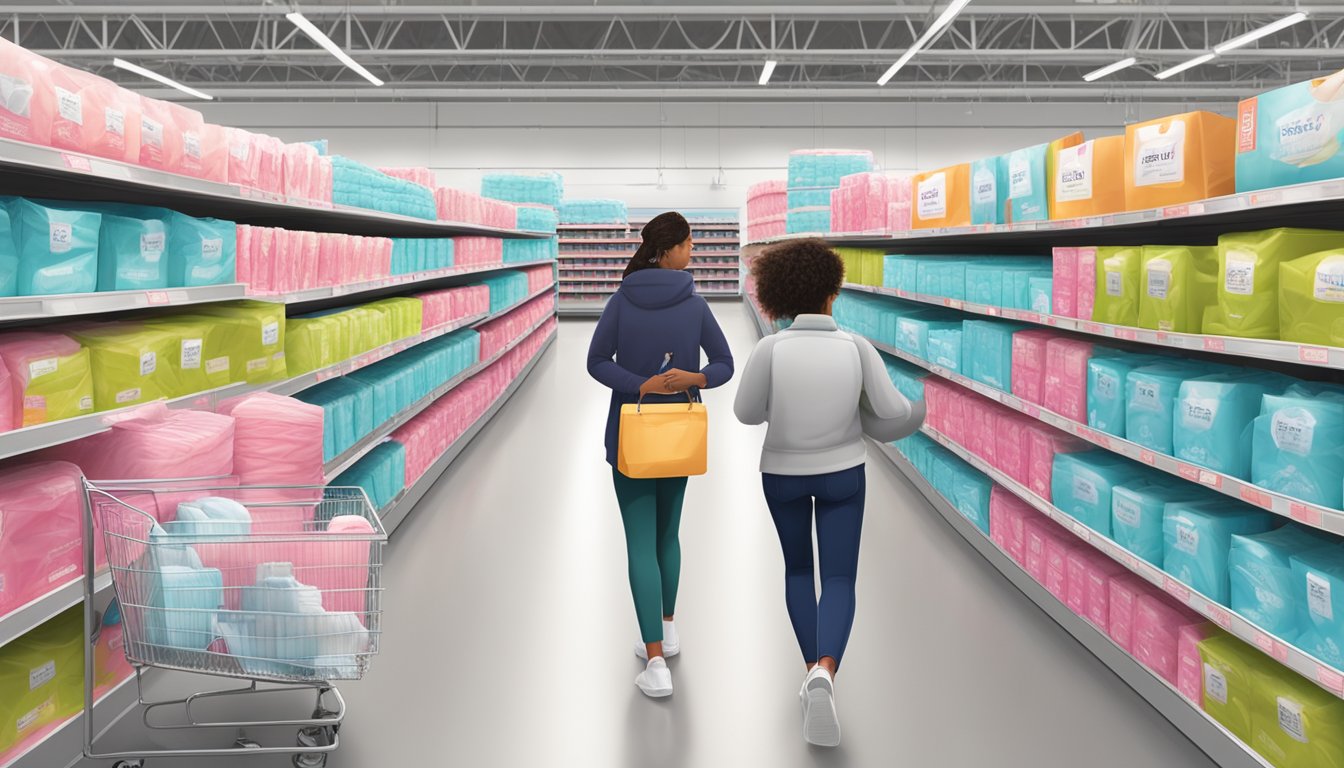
(62, 236)
(217, 365)
(39, 368)
(128, 395)
(191, 353)
(1215, 684)
(70, 106)
(1239, 273)
(932, 194)
(1318, 597)
(270, 334)
(42, 675)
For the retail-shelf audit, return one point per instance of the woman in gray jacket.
(821, 390)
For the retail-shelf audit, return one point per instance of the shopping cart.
(279, 586)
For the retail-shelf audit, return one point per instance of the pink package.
(112, 129)
(297, 173)
(277, 440)
(983, 416)
(1029, 351)
(1079, 564)
(40, 531)
(1057, 552)
(22, 353)
(1125, 590)
(1189, 665)
(1013, 514)
(1064, 283)
(900, 209)
(321, 176)
(244, 159)
(1043, 443)
(153, 442)
(1086, 293)
(160, 136)
(270, 163)
(1011, 448)
(243, 259)
(27, 106)
(422, 176)
(1157, 626)
(214, 163)
(1038, 535)
(1100, 571)
(1065, 389)
(73, 107)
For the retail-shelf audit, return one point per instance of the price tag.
(156, 298)
(1102, 440)
(1147, 457)
(1280, 652)
(1094, 328)
(1214, 344)
(1131, 562)
(1051, 320)
(1162, 337)
(1196, 209)
(1319, 355)
(1096, 221)
(953, 303)
(1082, 532)
(1128, 334)
(1175, 211)
(1220, 615)
(1252, 495)
(1211, 479)
(1032, 410)
(1329, 678)
(992, 311)
(77, 162)
(1270, 197)
(1188, 472)
(1304, 514)
(329, 373)
(1176, 589)
(1264, 642)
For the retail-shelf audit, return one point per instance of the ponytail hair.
(663, 233)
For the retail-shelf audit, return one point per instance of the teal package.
(989, 191)
(1042, 291)
(1106, 380)
(1137, 511)
(381, 473)
(57, 248)
(1082, 484)
(1292, 135)
(987, 352)
(944, 348)
(1212, 421)
(1260, 571)
(1296, 444)
(1318, 591)
(970, 495)
(9, 256)
(1150, 402)
(131, 254)
(201, 251)
(1196, 539)
(1028, 193)
(912, 331)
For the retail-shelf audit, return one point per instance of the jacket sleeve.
(884, 412)
(602, 352)
(720, 368)
(752, 405)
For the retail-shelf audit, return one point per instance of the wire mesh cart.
(277, 586)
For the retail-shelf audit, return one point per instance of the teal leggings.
(651, 512)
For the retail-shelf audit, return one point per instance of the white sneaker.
(671, 643)
(821, 725)
(656, 679)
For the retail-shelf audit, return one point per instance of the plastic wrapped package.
(132, 362)
(201, 251)
(988, 191)
(1311, 298)
(27, 105)
(1045, 444)
(1228, 691)
(1064, 286)
(987, 349)
(1150, 399)
(1178, 283)
(1124, 591)
(1118, 278)
(161, 141)
(1064, 389)
(9, 255)
(1189, 667)
(1248, 278)
(41, 673)
(1089, 179)
(1261, 576)
(347, 413)
(154, 442)
(944, 347)
(50, 378)
(1029, 362)
(200, 359)
(1106, 378)
(1318, 593)
(381, 473)
(1040, 295)
(970, 495)
(1038, 535)
(244, 159)
(1029, 174)
(1179, 159)
(1079, 564)
(1057, 553)
(1138, 510)
(1213, 416)
(131, 253)
(57, 248)
(1100, 572)
(41, 538)
(1085, 287)
(1082, 485)
(277, 440)
(256, 340)
(942, 198)
(912, 330)
(1011, 448)
(1007, 516)
(1157, 626)
(73, 107)
(1290, 135)
(1294, 723)
(1296, 445)
(1197, 537)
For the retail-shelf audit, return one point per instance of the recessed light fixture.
(1191, 64)
(767, 71)
(1110, 69)
(156, 77)
(1256, 34)
(321, 39)
(943, 20)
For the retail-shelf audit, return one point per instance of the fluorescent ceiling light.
(1256, 34)
(321, 39)
(1110, 69)
(1179, 68)
(155, 76)
(768, 71)
(946, 18)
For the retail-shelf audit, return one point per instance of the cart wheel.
(316, 736)
(244, 743)
(310, 760)
(129, 764)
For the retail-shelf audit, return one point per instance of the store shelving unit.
(66, 741)
(392, 284)
(592, 257)
(28, 308)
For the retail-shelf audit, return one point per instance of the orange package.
(1179, 159)
(942, 198)
(1089, 179)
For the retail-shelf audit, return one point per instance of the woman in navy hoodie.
(648, 344)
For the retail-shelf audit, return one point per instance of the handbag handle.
(690, 403)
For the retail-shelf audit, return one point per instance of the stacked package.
(540, 188)
(813, 174)
(536, 197)
(452, 304)
(864, 202)
(498, 333)
(462, 207)
(593, 212)
(272, 260)
(767, 209)
(411, 255)
(538, 218)
(519, 251)
(322, 339)
(309, 176)
(422, 176)
(477, 251)
(358, 185)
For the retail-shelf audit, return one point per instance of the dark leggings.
(651, 512)
(822, 629)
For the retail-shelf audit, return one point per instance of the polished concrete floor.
(509, 629)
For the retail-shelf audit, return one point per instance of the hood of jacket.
(657, 288)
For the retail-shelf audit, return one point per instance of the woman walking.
(821, 390)
(647, 346)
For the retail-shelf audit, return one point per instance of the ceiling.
(693, 50)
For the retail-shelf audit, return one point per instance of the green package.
(132, 361)
(1117, 299)
(255, 338)
(201, 361)
(1177, 284)
(42, 675)
(51, 375)
(310, 343)
(407, 314)
(1294, 723)
(1311, 299)
(1229, 689)
(1248, 278)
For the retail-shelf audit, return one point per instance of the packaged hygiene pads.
(1291, 135)
(1260, 570)
(1029, 175)
(1106, 382)
(50, 378)
(1150, 398)
(131, 253)
(41, 675)
(942, 198)
(201, 251)
(1178, 159)
(1189, 668)
(970, 495)
(912, 330)
(1045, 444)
(1064, 283)
(1082, 484)
(944, 348)
(1124, 591)
(26, 103)
(1294, 723)
(1029, 353)
(988, 191)
(9, 256)
(1228, 692)
(1296, 445)
(1211, 425)
(41, 540)
(1100, 571)
(1157, 626)
(987, 352)
(201, 359)
(1137, 512)
(256, 340)
(1065, 385)
(1248, 278)
(132, 362)
(1311, 298)
(1178, 283)
(1196, 539)
(1040, 295)
(1085, 287)
(1117, 292)
(1089, 178)
(1318, 592)
(57, 248)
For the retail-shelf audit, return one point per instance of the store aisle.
(509, 628)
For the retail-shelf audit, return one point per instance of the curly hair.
(797, 277)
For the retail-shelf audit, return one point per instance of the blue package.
(944, 347)
(1028, 198)
(131, 253)
(912, 331)
(1041, 293)
(1260, 570)
(1196, 539)
(988, 191)
(1137, 511)
(1082, 484)
(9, 256)
(1297, 446)
(57, 248)
(1318, 587)
(987, 352)
(970, 495)
(1150, 401)
(201, 251)
(1212, 424)
(1107, 377)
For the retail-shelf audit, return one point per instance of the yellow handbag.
(663, 439)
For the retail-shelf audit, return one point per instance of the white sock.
(670, 633)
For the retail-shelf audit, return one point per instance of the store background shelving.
(592, 257)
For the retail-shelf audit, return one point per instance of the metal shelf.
(33, 438)
(580, 280)
(404, 503)
(618, 269)
(763, 326)
(1294, 658)
(65, 743)
(319, 294)
(23, 620)
(1316, 204)
(367, 443)
(14, 308)
(1216, 741)
(637, 241)
(1314, 515)
(1263, 349)
(31, 170)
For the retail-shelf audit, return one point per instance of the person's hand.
(655, 385)
(680, 381)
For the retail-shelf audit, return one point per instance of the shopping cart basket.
(274, 585)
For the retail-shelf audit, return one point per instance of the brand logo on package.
(1248, 112)
(62, 236)
(933, 196)
(1074, 180)
(1330, 280)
